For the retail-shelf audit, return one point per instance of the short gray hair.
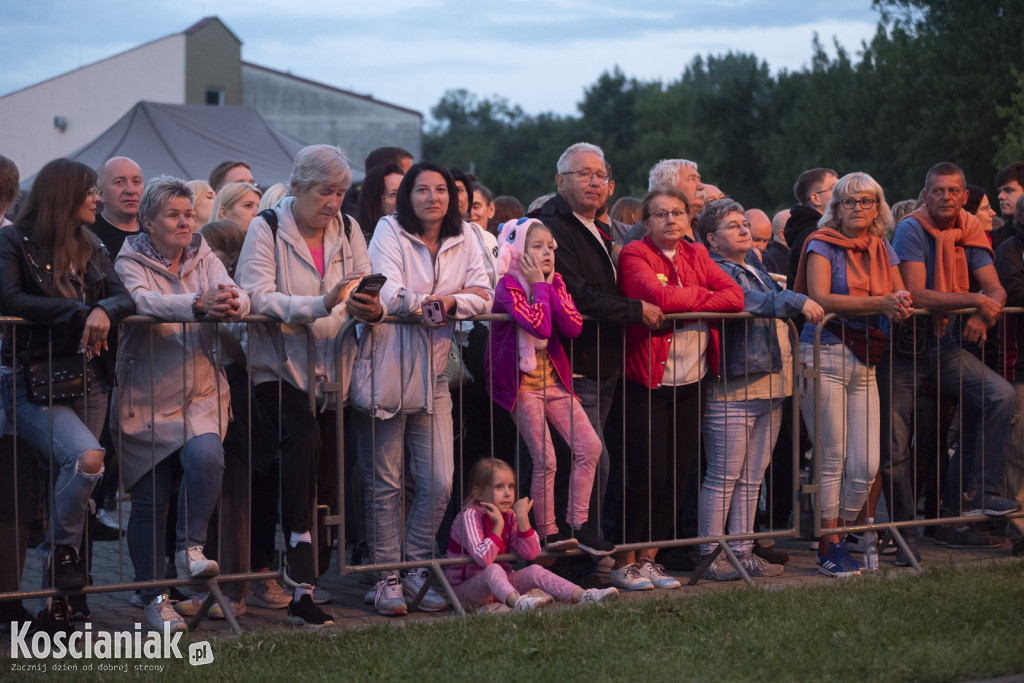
(160, 190)
(317, 164)
(665, 173)
(568, 154)
(714, 211)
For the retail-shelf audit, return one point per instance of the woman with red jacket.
(664, 368)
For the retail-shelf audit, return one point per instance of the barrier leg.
(895, 534)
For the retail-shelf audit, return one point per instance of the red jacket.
(692, 282)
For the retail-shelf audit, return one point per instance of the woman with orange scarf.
(848, 268)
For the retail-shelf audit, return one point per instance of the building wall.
(91, 98)
(317, 114)
(213, 60)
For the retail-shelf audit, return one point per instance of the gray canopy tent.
(188, 140)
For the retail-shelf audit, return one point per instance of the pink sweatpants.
(567, 415)
(494, 584)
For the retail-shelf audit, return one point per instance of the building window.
(215, 97)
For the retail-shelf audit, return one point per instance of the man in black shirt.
(121, 189)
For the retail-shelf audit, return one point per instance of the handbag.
(867, 344)
(391, 372)
(58, 379)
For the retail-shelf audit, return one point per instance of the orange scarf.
(868, 271)
(951, 271)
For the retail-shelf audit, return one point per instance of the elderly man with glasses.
(586, 264)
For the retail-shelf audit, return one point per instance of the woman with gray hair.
(744, 407)
(171, 274)
(300, 263)
(849, 268)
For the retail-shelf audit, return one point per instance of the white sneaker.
(413, 583)
(107, 519)
(268, 593)
(656, 574)
(192, 564)
(758, 566)
(389, 598)
(629, 578)
(721, 570)
(160, 612)
(592, 596)
(528, 603)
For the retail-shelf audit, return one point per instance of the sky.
(541, 55)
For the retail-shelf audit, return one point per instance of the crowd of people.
(630, 421)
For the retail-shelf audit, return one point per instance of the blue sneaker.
(837, 562)
(989, 504)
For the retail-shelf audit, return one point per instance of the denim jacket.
(755, 348)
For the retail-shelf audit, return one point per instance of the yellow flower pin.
(663, 279)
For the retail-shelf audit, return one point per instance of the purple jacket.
(551, 303)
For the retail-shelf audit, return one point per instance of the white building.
(200, 65)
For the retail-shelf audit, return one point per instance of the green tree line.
(940, 80)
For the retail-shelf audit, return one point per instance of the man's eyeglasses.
(864, 203)
(589, 176)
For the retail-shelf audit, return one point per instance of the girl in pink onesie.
(493, 522)
(529, 376)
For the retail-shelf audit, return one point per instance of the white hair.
(665, 173)
(319, 164)
(568, 154)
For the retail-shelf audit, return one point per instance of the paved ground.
(114, 611)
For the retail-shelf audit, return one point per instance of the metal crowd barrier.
(470, 402)
(930, 508)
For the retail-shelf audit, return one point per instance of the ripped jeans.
(75, 429)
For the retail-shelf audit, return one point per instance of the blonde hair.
(849, 185)
(273, 195)
(230, 195)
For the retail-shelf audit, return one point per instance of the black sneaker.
(305, 613)
(970, 536)
(79, 607)
(1018, 548)
(67, 575)
(770, 555)
(591, 543)
(56, 617)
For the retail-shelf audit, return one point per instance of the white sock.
(299, 592)
(296, 539)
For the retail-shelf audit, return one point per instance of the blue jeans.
(987, 402)
(75, 429)
(201, 462)
(381, 447)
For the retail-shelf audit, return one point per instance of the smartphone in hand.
(433, 311)
(371, 284)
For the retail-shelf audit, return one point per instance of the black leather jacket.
(27, 290)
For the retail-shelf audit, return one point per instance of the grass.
(949, 624)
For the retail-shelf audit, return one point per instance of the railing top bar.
(140, 319)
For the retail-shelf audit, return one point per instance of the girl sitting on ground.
(530, 377)
(493, 522)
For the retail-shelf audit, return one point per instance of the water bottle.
(870, 541)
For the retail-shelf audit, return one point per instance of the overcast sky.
(538, 54)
